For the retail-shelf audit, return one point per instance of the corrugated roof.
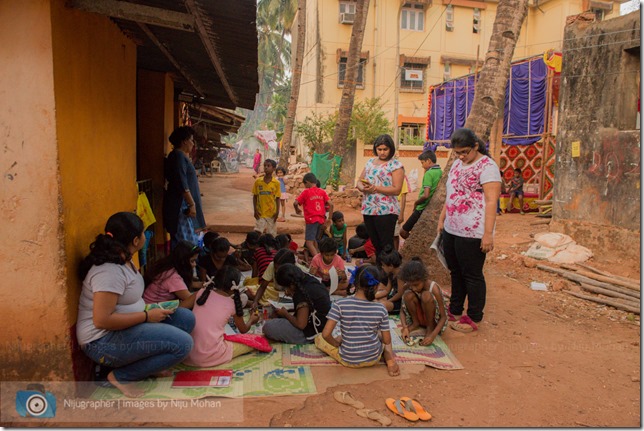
(213, 56)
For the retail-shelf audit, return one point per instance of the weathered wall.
(155, 108)
(599, 185)
(33, 310)
(70, 144)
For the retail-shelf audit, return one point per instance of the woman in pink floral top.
(380, 182)
(467, 224)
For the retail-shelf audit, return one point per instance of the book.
(203, 378)
(282, 304)
(167, 305)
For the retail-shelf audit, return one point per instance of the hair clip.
(371, 280)
(109, 234)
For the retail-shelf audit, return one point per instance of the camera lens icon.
(36, 405)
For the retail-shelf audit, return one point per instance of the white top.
(108, 277)
(464, 200)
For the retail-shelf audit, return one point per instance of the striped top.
(360, 320)
(263, 259)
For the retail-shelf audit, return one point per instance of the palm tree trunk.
(488, 100)
(295, 84)
(351, 76)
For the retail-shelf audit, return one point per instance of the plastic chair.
(215, 165)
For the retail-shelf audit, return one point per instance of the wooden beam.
(212, 52)
(136, 12)
(171, 58)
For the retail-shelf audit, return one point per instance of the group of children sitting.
(361, 302)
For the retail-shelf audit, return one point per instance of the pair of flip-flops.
(408, 408)
(348, 399)
(464, 324)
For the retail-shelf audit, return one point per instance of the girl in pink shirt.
(326, 259)
(171, 277)
(215, 304)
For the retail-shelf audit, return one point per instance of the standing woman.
(113, 327)
(467, 223)
(182, 213)
(381, 181)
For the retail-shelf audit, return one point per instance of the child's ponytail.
(368, 279)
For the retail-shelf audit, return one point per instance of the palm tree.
(488, 99)
(295, 83)
(348, 91)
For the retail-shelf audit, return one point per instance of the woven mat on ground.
(255, 375)
(437, 355)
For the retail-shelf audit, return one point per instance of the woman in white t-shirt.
(467, 225)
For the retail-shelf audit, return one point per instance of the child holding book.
(313, 201)
(266, 199)
(214, 306)
(423, 304)
(326, 259)
(364, 326)
(170, 278)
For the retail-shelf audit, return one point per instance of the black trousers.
(411, 221)
(465, 261)
(381, 231)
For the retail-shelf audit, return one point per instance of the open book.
(166, 305)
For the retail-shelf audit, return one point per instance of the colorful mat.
(437, 355)
(255, 375)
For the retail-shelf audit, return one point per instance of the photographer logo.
(35, 402)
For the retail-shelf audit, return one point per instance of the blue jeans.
(146, 348)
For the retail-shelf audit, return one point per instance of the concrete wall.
(598, 149)
(70, 138)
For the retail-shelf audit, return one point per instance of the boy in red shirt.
(314, 201)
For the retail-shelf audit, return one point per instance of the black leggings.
(381, 231)
(465, 261)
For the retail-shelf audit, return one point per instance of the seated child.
(357, 241)
(390, 295)
(284, 240)
(217, 259)
(364, 326)
(266, 288)
(312, 303)
(171, 277)
(326, 259)
(264, 254)
(213, 308)
(368, 250)
(423, 304)
(245, 251)
(339, 233)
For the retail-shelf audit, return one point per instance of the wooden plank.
(607, 274)
(613, 304)
(581, 279)
(607, 292)
(136, 12)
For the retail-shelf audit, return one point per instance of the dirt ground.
(539, 359)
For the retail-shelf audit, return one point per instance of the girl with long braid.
(364, 325)
(312, 303)
(215, 304)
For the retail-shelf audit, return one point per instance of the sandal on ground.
(374, 415)
(347, 398)
(465, 324)
(398, 408)
(415, 407)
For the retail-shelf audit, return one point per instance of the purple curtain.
(525, 102)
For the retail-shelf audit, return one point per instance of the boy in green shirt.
(431, 178)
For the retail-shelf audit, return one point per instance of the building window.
(447, 72)
(412, 77)
(412, 17)
(449, 18)
(342, 70)
(347, 12)
(411, 134)
(476, 21)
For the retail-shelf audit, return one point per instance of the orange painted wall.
(95, 86)
(70, 137)
(33, 311)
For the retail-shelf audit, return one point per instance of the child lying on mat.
(364, 326)
(422, 303)
(213, 308)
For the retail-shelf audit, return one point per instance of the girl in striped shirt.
(364, 326)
